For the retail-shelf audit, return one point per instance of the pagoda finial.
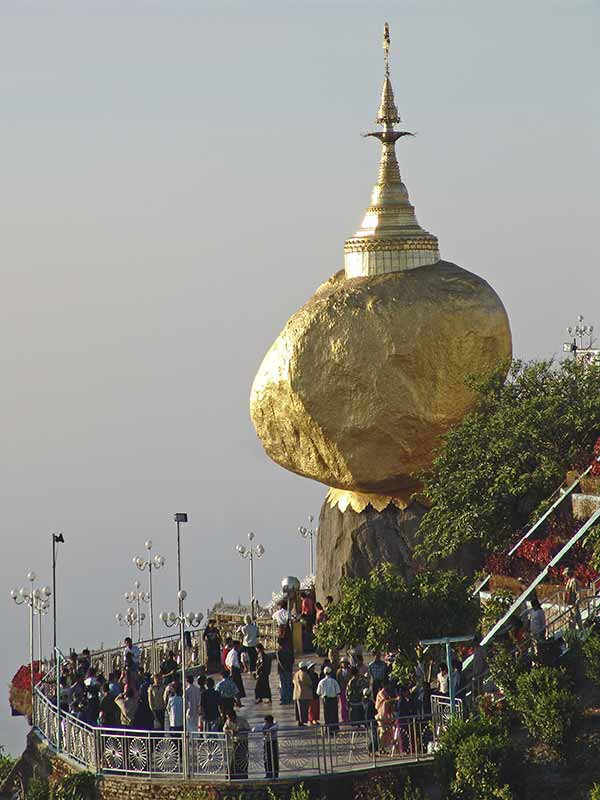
(386, 49)
(390, 239)
(388, 113)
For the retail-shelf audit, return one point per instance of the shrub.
(37, 789)
(411, 792)
(472, 760)
(6, 764)
(499, 602)
(78, 786)
(595, 792)
(547, 705)
(591, 654)
(300, 792)
(505, 669)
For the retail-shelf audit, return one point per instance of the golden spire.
(390, 239)
(388, 113)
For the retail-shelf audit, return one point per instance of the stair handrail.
(566, 493)
(536, 582)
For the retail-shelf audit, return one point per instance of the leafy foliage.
(500, 601)
(472, 760)
(546, 705)
(77, 786)
(505, 670)
(591, 654)
(387, 786)
(37, 789)
(595, 792)
(387, 612)
(504, 459)
(6, 764)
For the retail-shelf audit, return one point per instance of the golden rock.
(365, 378)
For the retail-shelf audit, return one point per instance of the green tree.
(498, 465)
(473, 758)
(547, 706)
(386, 611)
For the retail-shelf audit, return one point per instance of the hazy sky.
(176, 179)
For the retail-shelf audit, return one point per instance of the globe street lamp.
(579, 331)
(130, 618)
(309, 533)
(32, 598)
(170, 619)
(138, 596)
(250, 553)
(150, 563)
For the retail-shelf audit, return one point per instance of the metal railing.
(252, 755)
(153, 653)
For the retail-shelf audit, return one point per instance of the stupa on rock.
(367, 376)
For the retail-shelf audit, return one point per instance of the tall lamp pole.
(130, 618)
(170, 618)
(57, 538)
(250, 553)
(31, 597)
(138, 596)
(150, 563)
(179, 519)
(309, 533)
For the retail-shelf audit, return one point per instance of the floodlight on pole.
(309, 533)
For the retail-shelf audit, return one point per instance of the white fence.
(220, 756)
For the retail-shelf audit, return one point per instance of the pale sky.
(177, 177)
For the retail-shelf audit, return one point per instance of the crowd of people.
(330, 690)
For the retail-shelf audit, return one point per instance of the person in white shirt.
(328, 689)
(233, 664)
(134, 651)
(175, 709)
(281, 616)
(443, 679)
(192, 704)
(250, 633)
(537, 621)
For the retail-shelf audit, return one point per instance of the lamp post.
(309, 533)
(57, 538)
(579, 332)
(138, 596)
(179, 519)
(250, 553)
(170, 619)
(32, 598)
(130, 618)
(150, 563)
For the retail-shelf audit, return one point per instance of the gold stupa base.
(358, 501)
